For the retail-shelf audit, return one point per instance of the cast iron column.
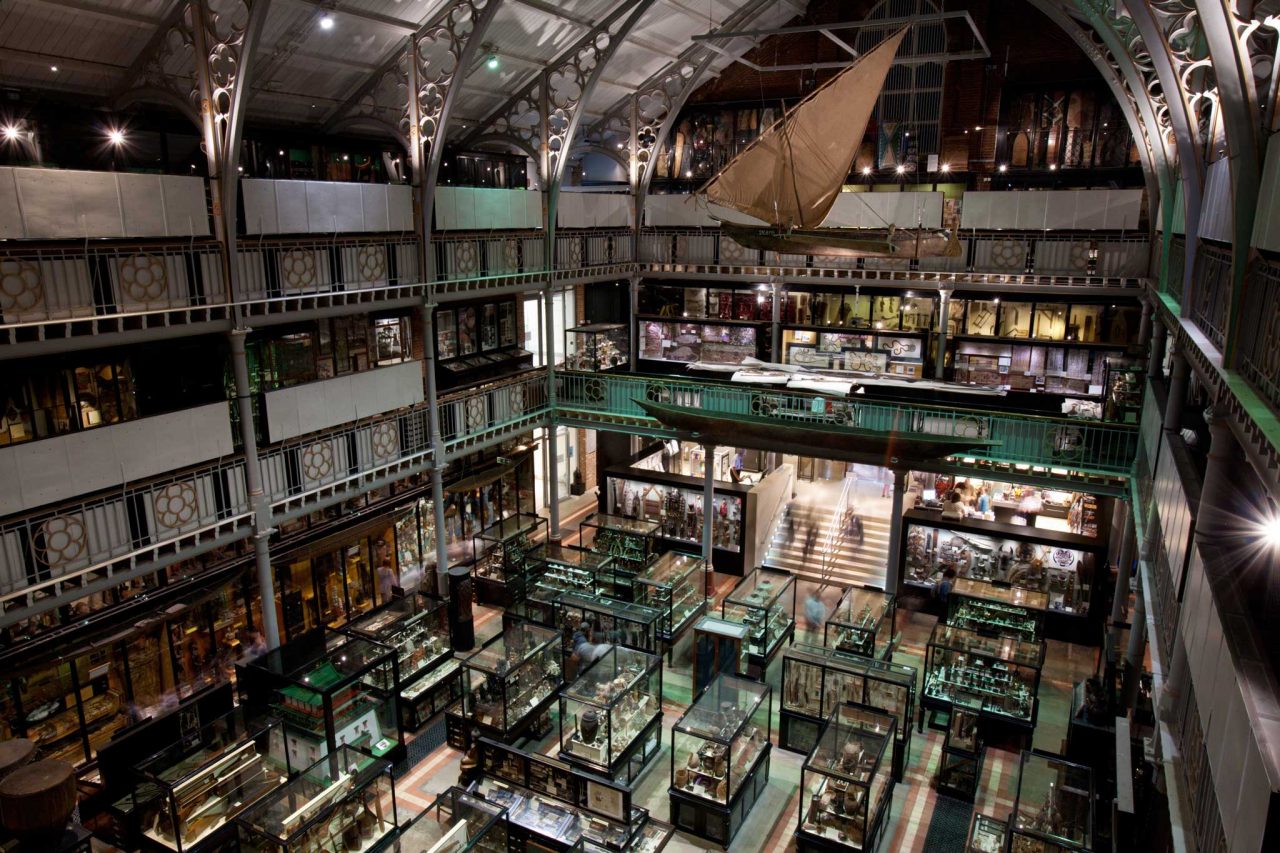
(892, 569)
(437, 449)
(1177, 392)
(944, 303)
(1157, 348)
(1120, 597)
(708, 506)
(262, 528)
(553, 464)
(1134, 655)
(775, 324)
(1144, 327)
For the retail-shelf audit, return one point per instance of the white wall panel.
(483, 208)
(1058, 209)
(56, 203)
(137, 203)
(873, 210)
(373, 207)
(1215, 209)
(399, 207)
(56, 469)
(1266, 222)
(11, 225)
(320, 405)
(260, 214)
(325, 207)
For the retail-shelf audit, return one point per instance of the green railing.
(1022, 439)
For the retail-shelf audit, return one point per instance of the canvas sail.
(790, 175)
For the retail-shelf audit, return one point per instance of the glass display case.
(862, 622)
(674, 584)
(1053, 806)
(344, 803)
(502, 551)
(991, 608)
(1124, 387)
(538, 606)
(330, 690)
(674, 503)
(455, 822)
(986, 835)
(719, 646)
(597, 347)
(623, 623)
(686, 342)
(1060, 565)
(996, 677)
(565, 568)
(417, 628)
(511, 680)
(816, 680)
(962, 755)
(765, 601)
(720, 757)
(186, 797)
(611, 714)
(846, 785)
(629, 543)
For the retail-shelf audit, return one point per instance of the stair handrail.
(835, 533)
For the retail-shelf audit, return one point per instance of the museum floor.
(773, 821)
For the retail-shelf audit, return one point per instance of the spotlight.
(620, 146)
(281, 152)
(866, 170)
(901, 169)
(492, 62)
(345, 158)
(53, 68)
(326, 23)
(1003, 168)
(115, 136)
(1270, 530)
(978, 128)
(11, 131)
(689, 173)
(1053, 167)
(946, 167)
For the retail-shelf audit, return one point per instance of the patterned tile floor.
(773, 821)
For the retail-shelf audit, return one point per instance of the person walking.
(810, 537)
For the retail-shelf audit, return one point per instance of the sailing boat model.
(791, 174)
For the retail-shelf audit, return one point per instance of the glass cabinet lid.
(626, 610)
(622, 524)
(854, 664)
(598, 327)
(851, 745)
(342, 659)
(1000, 648)
(512, 647)
(670, 568)
(310, 796)
(441, 819)
(509, 527)
(861, 607)
(176, 763)
(723, 709)
(616, 672)
(761, 588)
(567, 555)
(1015, 595)
(1054, 799)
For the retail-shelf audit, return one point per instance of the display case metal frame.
(629, 543)
(593, 343)
(862, 622)
(606, 686)
(226, 750)
(299, 817)
(669, 583)
(568, 568)
(731, 720)
(963, 754)
(997, 655)
(483, 826)
(324, 685)
(428, 687)
(622, 622)
(1066, 802)
(987, 607)
(758, 600)
(504, 546)
(844, 678)
(533, 647)
(987, 835)
(848, 758)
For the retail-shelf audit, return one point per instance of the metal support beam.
(708, 503)
(892, 565)
(437, 448)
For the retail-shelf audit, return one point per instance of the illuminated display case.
(995, 677)
(502, 551)
(611, 715)
(565, 568)
(417, 628)
(675, 585)
(330, 690)
(962, 756)
(629, 543)
(816, 680)
(673, 503)
(986, 835)
(991, 608)
(187, 796)
(624, 623)
(344, 803)
(511, 680)
(846, 785)
(597, 347)
(720, 757)
(456, 821)
(765, 601)
(1053, 806)
(862, 622)
(538, 607)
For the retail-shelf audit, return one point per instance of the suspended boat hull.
(846, 243)
(828, 440)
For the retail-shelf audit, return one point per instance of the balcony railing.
(1211, 292)
(488, 259)
(990, 258)
(1030, 440)
(479, 416)
(1260, 333)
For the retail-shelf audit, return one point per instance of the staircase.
(846, 564)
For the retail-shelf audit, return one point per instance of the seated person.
(953, 506)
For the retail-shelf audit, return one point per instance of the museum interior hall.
(617, 426)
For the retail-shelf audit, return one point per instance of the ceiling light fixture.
(492, 63)
(901, 168)
(866, 170)
(53, 68)
(115, 136)
(1003, 167)
(946, 167)
(11, 131)
(326, 22)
